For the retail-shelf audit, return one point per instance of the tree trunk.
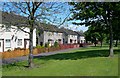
(101, 42)
(95, 44)
(116, 43)
(30, 58)
(38, 41)
(111, 42)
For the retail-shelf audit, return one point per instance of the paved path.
(17, 59)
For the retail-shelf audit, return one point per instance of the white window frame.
(8, 45)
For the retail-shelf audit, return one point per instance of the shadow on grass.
(99, 46)
(65, 56)
(78, 55)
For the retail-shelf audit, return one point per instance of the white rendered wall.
(53, 35)
(73, 37)
(15, 34)
(82, 38)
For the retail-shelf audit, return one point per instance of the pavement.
(23, 58)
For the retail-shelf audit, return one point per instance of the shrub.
(56, 44)
(47, 44)
(17, 48)
(52, 46)
(8, 50)
(22, 48)
(39, 46)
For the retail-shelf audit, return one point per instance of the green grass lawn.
(91, 61)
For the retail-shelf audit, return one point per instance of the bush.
(9, 50)
(55, 44)
(39, 46)
(52, 46)
(17, 48)
(47, 44)
(22, 48)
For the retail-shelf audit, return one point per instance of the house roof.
(13, 19)
(68, 31)
(79, 33)
(49, 27)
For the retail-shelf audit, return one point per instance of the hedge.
(25, 52)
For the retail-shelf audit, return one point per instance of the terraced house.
(10, 36)
(49, 33)
(69, 36)
(80, 37)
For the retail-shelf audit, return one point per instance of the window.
(8, 43)
(19, 42)
(0, 44)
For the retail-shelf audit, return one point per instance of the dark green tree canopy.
(100, 14)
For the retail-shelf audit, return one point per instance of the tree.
(89, 12)
(116, 29)
(92, 35)
(100, 29)
(95, 34)
(116, 32)
(30, 9)
(32, 12)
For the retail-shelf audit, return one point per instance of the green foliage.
(95, 32)
(56, 44)
(9, 50)
(39, 46)
(47, 44)
(18, 48)
(101, 14)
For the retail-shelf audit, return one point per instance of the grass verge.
(91, 61)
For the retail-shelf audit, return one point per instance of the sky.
(68, 24)
(64, 12)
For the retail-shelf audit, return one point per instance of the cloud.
(77, 28)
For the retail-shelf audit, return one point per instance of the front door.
(26, 43)
(1, 46)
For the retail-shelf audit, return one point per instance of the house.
(10, 36)
(49, 33)
(69, 36)
(80, 37)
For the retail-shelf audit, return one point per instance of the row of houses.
(12, 37)
(50, 33)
